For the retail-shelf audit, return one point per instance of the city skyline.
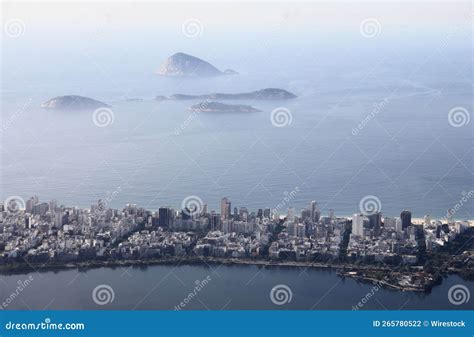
(282, 210)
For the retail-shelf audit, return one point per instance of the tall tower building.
(165, 216)
(315, 213)
(266, 212)
(331, 214)
(405, 216)
(215, 222)
(225, 208)
(398, 225)
(30, 203)
(358, 224)
(375, 220)
(243, 213)
(291, 214)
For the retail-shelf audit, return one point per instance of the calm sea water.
(408, 156)
(228, 287)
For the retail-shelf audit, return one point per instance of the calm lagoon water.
(228, 287)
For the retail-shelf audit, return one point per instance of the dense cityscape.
(367, 246)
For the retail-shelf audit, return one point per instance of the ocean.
(375, 123)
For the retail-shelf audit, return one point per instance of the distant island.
(184, 65)
(263, 94)
(73, 102)
(221, 107)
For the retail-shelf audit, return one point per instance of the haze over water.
(409, 155)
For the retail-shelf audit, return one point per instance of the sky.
(238, 15)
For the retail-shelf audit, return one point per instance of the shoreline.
(362, 273)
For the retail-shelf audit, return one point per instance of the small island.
(221, 107)
(263, 94)
(184, 65)
(73, 102)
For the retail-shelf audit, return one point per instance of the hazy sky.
(244, 15)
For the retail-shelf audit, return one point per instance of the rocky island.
(184, 65)
(73, 102)
(263, 94)
(221, 107)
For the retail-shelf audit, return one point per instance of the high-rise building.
(266, 212)
(58, 220)
(215, 221)
(165, 216)
(30, 203)
(389, 223)
(315, 213)
(358, 224)
(292, 229)
(225, 225)
(405, 216)
(53, 204)
(225, 208)
(331, 214)
(243, 213)
(306, 215)
(291, 214)
(301, 230)
(398, 225)
(186, 214)
(40, 209)
(375, 220)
